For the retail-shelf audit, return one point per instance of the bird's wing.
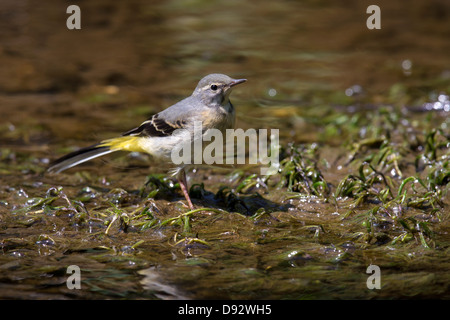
(165, 122)
(156, 126)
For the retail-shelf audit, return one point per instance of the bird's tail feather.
(125, 143)
(75, 158)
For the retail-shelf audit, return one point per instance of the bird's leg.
(183, 185)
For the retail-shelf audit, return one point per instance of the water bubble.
(16, 254)
(443, 98)
(353, 90)
(272, 92)
(348, 92)
(22, 193)
(441, 102)
(406, 64)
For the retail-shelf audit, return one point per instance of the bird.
(208, 104)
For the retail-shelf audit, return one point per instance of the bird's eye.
(213, 87)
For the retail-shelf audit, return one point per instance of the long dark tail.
(75, 158)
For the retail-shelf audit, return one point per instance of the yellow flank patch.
(128, 143)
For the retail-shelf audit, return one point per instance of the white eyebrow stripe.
(214, 83)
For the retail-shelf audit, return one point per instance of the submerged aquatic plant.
(368, 185)
(51, 204)
(300, 173)
(392, 192)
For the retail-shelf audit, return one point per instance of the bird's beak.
(237, 81)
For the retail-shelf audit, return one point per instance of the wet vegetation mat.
(379, 196)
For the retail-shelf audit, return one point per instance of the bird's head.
(214, 89)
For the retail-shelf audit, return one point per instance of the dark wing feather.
(156, 127)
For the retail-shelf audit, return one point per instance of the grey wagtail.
(209, 104)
